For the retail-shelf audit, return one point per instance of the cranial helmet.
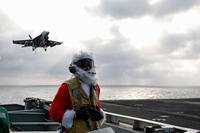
(82, 65)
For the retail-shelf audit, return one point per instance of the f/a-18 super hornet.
(40, 41)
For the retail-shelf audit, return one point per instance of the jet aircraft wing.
(53, 43)
(26, 43)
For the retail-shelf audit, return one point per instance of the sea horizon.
(16, 93)
(109, 85)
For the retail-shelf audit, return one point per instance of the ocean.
(16, 94)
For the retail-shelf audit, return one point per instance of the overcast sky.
(139, 42)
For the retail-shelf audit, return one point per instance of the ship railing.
(144, 125)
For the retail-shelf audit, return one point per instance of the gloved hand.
(67, 120)
(83, 113)
(95, 113)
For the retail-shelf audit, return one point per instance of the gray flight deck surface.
(179, 112)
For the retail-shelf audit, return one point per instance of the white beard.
(87, 77)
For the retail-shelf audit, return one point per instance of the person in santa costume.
(76, 105)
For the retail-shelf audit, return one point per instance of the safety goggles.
(85, 64)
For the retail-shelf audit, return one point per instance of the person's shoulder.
(71, 80)
(70, 84)
(97, 85)
(63, 86)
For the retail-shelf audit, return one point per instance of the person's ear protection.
(72, 68)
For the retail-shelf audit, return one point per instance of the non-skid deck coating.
(179, 112)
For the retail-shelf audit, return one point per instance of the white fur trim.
(82, 55)
(67, 120)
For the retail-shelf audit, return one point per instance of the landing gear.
(45, 48)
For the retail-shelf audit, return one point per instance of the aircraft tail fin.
(30, 37)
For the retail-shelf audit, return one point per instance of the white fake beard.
(87, 77)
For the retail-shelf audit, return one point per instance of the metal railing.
(143, 125)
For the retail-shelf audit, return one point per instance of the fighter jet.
(40, 41)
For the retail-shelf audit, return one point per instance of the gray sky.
(140, 42)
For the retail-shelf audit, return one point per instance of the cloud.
(113, 56)
(171, 43)
(120, 9)
(6, 24)
(123, 8)
(118, 62)
(167, 7)
(179, 45)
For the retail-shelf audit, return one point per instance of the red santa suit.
(62, 102)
